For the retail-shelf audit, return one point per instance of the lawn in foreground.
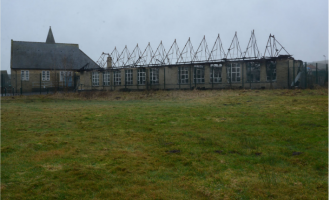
(166, 145)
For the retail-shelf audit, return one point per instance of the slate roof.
(40, 55)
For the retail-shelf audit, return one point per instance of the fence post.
(21, 91)
(271, 75)
(13, 91)
(40, 83)
(293, 73)
(164, 78)
(190, 71)
(250, 77)
(2, 85)
(58, 82)
(230, 76)
(316, 75)
(288, 74)
(21, 85)
(326, 80)
(195, 75)
(114, 81)
(179, 77)
(126, 78)
(242, 76)
(5, 91)
(306, 75)
(212, 75)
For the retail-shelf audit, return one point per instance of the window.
(253, 72)
(183, 75)
(271, 70)
(117, 77)
(24, 75)
(199, 74)
(106, 78)
(154, 76)
(45, 75)
(65, 75)
(233, 72)
(95, 78)
(129, 77)
(141, 76)
(215, 73)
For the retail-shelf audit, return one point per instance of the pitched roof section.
(50, 38)
(59, 56)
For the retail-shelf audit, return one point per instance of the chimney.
(109, 62)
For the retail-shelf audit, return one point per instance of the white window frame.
(106, 78)
(141, 76)
(234, 73)
(25, 75)
(129, 77)
(215, 73)
(95, 79)
(199, 76)
(154, 76)
(184, 73)
(117, 77)
(45, 75)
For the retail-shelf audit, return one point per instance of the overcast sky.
(301, 26)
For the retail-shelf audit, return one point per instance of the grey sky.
(301, 26)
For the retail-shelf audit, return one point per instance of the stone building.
(277, 73)
(36, 65)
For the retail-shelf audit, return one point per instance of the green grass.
(232, 144)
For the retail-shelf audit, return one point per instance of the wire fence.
(299, 75)
(36, 83)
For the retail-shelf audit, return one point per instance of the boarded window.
(271, 70)
(253, 71)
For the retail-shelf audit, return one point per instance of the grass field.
(230, 144)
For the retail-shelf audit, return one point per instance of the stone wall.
(35, 80)
(170, 76)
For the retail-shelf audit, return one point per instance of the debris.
(173, 151)
(296, 153)
(218, 151)
(258, 153)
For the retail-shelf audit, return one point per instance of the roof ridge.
(45, 42)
